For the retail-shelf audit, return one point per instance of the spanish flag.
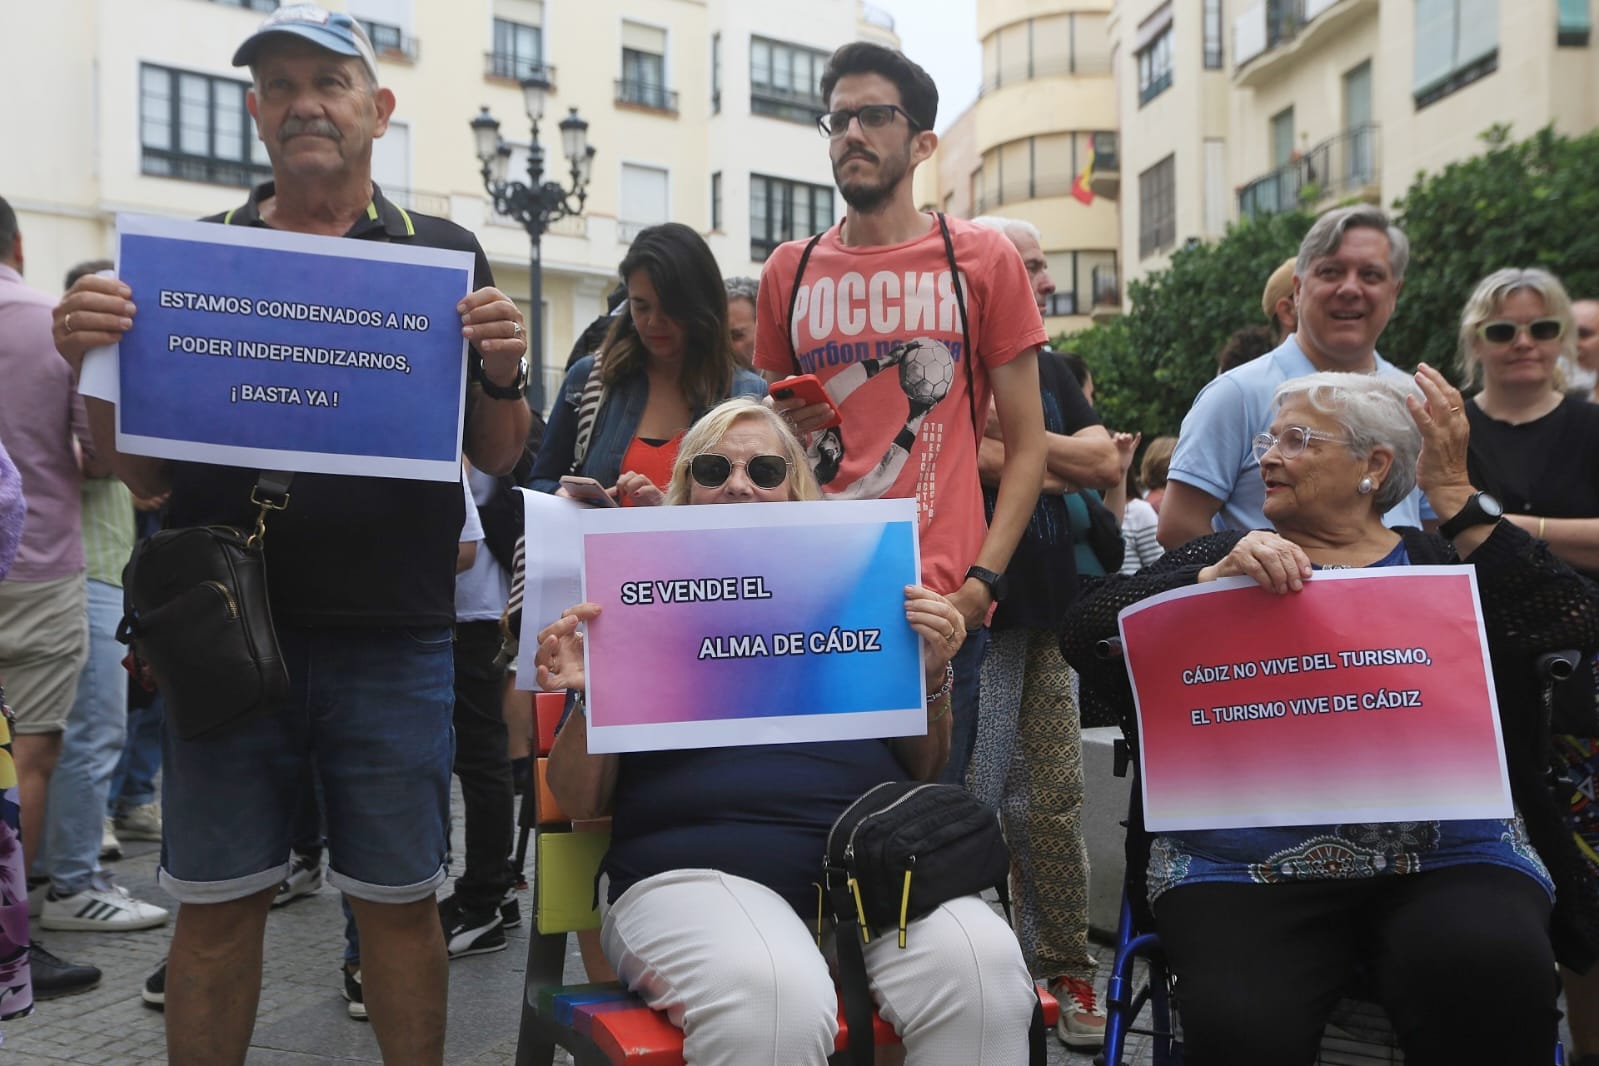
(1080, 189)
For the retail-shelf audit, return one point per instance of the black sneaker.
(510, 910)
(54, 976)
(154, 992)
(355, 1004)
(468, 932)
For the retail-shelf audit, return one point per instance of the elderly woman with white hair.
(1448, 920)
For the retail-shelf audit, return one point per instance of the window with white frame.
(785, 80)
(643, 81)
(646, 199)
(1155, 66)
(518, 50)
(1157, 207)
(195, 127)
(1457, 42)
(783, 210)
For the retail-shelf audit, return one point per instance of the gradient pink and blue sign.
(1366, 697)
(752, 625)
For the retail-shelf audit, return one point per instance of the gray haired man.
(1347, 278)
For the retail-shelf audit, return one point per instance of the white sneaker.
(140, 822)
(105, 905)
(110, 846)
(305, 878)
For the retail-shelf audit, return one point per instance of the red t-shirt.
(879, 327)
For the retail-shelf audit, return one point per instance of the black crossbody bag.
(893, 856)
(195, 604)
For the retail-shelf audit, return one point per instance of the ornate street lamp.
(535, 203)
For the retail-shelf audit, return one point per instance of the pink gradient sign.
(1366, 697)
(756, 624)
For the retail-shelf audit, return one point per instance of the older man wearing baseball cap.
(362, 584)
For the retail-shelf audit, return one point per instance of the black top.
(1043, 577)
(1547, 467)
(349, 551)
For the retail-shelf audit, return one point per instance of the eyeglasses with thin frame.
(711, 469)
(1503, 331)
(872, 117)
(1291, 442)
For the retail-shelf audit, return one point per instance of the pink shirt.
(40, 414)
(879, 326)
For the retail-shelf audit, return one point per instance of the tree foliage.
(1516, 205)
(1149, 364)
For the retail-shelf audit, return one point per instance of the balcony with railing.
(1345, 165)
(791, 104)
(392, 42)
(513, 67)
(1106, 180)
(1271, 30)
(648, 95)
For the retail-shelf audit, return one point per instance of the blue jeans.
(968, 666)
(373, 705)
(133, 781)
(91, 744)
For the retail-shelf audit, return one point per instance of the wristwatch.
(1480, 510)
(513, 391)
(998, 584)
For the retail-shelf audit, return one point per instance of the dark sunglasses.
(872, 116)
(1503, 331)
(712, 470)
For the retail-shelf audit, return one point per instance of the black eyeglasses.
(872, 116)
(1503, 331)
(712, 470)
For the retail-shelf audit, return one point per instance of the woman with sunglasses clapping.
(1537, 451)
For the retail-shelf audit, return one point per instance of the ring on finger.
(516, 329)
(66, 323)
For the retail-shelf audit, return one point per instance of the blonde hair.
(709, 431)
(1489, 298)
(1157, 461)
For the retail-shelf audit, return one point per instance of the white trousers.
(732, 965)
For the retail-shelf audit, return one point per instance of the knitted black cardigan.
(1532, 603)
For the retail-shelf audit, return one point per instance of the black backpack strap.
(793, 295)
(852, 983)
(966, 331)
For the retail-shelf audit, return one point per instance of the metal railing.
(515, 67)
(389, 41)
(1335, 166)
(646, 94)
(785, 103)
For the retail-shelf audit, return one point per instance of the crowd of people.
(1036, 524)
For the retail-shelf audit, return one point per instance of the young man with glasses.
(871, 308)
(1347, 278)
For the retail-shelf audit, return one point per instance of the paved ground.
(302, 1021)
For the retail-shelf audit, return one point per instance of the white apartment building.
(1233, 108)
(700, 111)
(1047, 99)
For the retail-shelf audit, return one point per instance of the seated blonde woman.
(710, 879)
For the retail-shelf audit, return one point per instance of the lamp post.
(535, 203)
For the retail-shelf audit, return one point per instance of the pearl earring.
(1365, 487)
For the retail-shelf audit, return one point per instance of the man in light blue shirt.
(1347, 278)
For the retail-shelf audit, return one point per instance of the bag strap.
(967, 355)
(588, 408)
(271, 493)
(852, 983)
(793, 295)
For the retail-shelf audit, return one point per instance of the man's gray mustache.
(316, 127)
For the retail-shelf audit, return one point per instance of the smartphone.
(808, 388)
(587, 490)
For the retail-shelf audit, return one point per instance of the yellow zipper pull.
(904, 906)
(860, 911)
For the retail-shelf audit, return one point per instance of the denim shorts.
(373, 707)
